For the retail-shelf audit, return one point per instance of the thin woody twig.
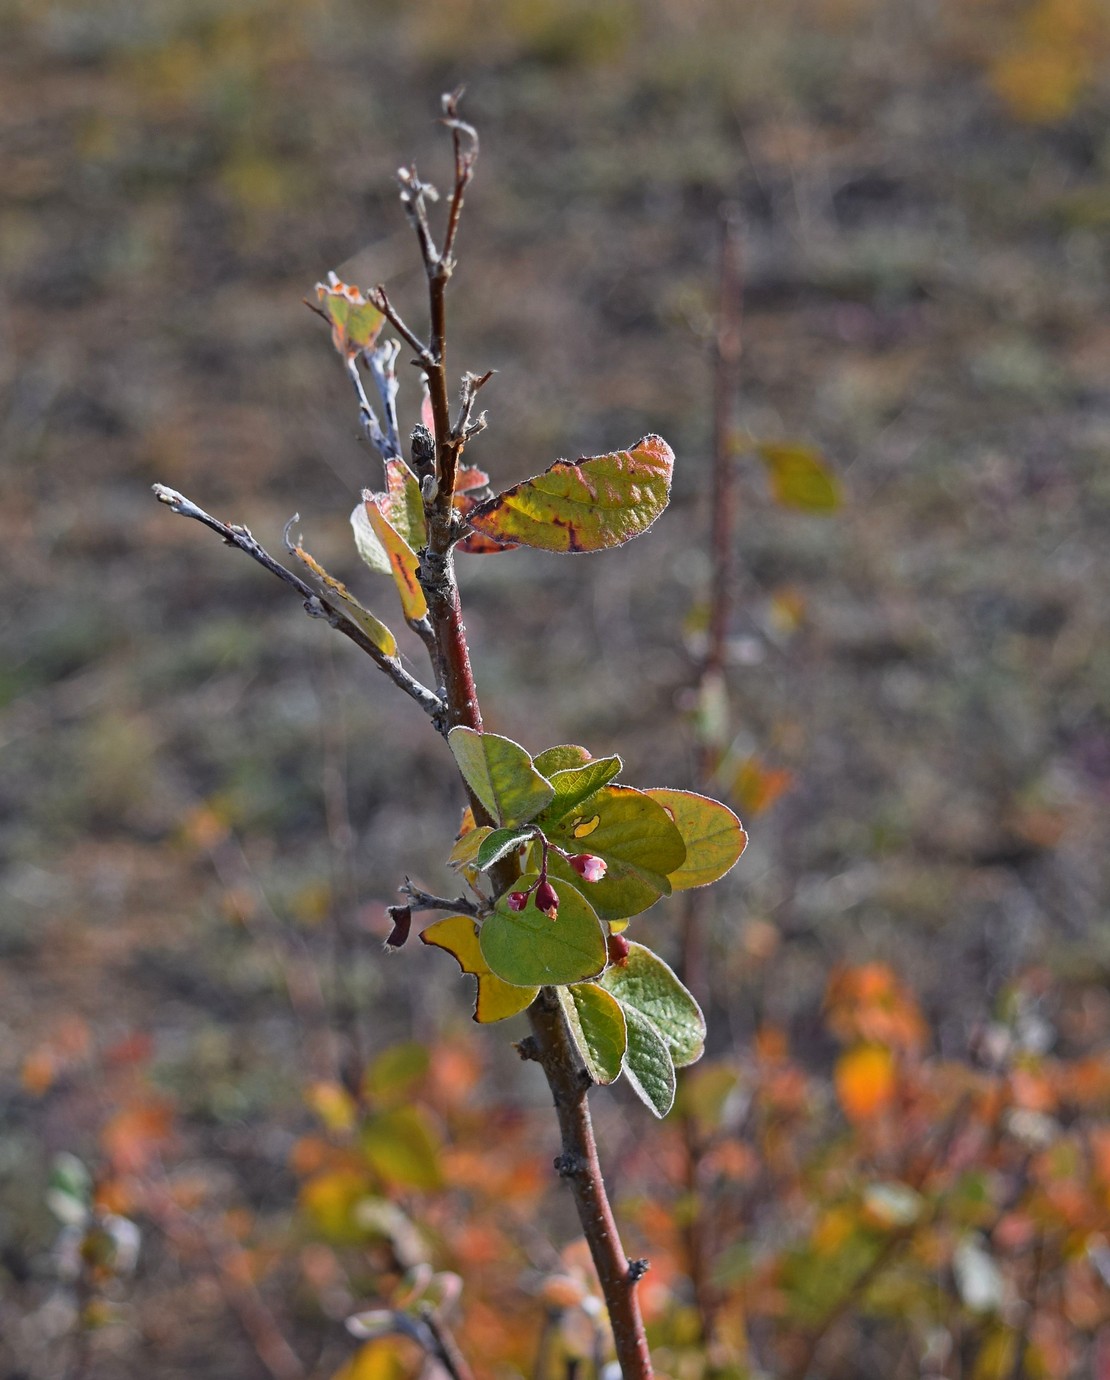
(315, 603)
(424, 900)
(380, 299)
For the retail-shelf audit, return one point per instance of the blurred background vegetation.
(205, 804)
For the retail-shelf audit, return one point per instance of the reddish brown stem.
(579, 1165)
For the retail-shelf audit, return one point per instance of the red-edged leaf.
(402, 559)
(355, 324)
(598, 502)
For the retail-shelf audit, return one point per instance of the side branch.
(579, 1165)
(316, 605)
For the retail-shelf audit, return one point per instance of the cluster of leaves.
(636, 1016)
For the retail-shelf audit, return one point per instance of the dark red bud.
(517, 900)
(547, 899)
(618, 950)
(402, 924)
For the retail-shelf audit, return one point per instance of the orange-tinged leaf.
(800, 477)
(134, 1136)
(597, 502)
(866, 1081)
(478, 543)
(755, 787)
(404, 507)
(496, 1000)
(355, 324)
(713, 836)
(402, 559)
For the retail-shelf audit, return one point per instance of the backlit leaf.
(405, 507)
(575, 784)
(465, 851)
(355, 324)
(501, 775)
(498, 843)
(714, 837)
(560, 758)
(647, 1063)
(497, 1000)
(646, 983)
(799, 477)
(352, 610)
(403, 563)
(402, 1148)
(598, 502)
(366, 543)
(598, 1025)
(637, 839)
(528, 948)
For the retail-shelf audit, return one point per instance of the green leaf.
(402, 1148)
(598, 1025)
(575, 784)
(366, 543)
(355, 324)
(352, 610)
(497, 1000)
(799, 477)
(497, 843)
(647, 1063)
(527, 948)
(714, 837)
(404, 507)
(602, 501)
(560, 758)
(636, 837)
(647, 984)
(501, 775)
(403, 563)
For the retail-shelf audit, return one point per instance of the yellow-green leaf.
(528, 948)
(645, 982)
(598, 1026)
(501, 775)
(600, 501)
(402, 558)
(355, 324)
(404, 507)
(575, 784)
(497, 1000)
(352, 610)
(402, 1147)
(560, 758)
(799, 477)
(465, 851)
(714, 837)
(636, 837)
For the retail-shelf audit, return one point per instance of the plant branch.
(316, 605)
(380, 299)
(424, 900)
(579, 1165)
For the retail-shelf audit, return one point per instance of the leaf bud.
(588, 866)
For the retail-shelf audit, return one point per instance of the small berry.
(618, 950)
(547, 899)
(517, 900)
(589, 867)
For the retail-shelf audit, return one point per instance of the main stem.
(552, 1047)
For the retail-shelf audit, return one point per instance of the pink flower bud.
(547, 899)
(589, 867)
(517, 900)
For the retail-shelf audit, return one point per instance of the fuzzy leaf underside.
(598, 502)
(648, 985)
(713, 835)
(647, 1063)
(501, 775)
(496, 999)
(528, 948)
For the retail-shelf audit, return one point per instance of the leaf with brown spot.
(402, 559)
(597, 502)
